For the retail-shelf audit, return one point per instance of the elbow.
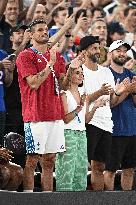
(87, 120)
(66, 121)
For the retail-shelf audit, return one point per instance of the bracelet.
(117, 94)
(76, 114)
(133, 93)
(67, 35)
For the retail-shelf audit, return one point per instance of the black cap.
(87, 41)
(16, 28)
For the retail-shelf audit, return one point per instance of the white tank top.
(75, 124)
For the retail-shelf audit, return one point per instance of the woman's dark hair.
(93, 9)
(55, 14)
(79, 12)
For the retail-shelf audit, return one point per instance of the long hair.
(69, 74)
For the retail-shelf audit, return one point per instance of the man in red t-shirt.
(40, 73)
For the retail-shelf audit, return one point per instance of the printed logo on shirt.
(62, 147)
(39, 60)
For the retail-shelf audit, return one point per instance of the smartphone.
(70, 10)
(11, 57)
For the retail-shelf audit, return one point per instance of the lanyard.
(57, 92)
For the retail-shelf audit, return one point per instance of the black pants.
(98, 143)
(14, 122)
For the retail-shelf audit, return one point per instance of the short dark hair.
(35, 22)
(115, 27)
(17, 28)
(56, 11)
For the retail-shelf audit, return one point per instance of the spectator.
(71, 169)
(123, 149)
(109, 8)
(69, 54)
(117, 14)
(8, 20)
(36, 11)
(99, 28)
(11, 174)
(99, 84)
(130, 23)
(39, 85)
(58, 19)
(115, 32)
(14, 120)
(97, 12)
(82, 23)
(6, 77)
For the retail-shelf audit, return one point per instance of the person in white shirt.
(99, 84)
(71, 166)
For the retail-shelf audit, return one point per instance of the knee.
(48, 161)
(128, 172)
(109, 174)
(97, 167)
(31, 162)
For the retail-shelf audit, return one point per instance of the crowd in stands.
(68, 86)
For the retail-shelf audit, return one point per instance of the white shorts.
(44, 137)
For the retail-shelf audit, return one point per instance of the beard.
(95, 58)
(119, 61)
(43, 41)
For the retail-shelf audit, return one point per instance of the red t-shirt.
(42, 104)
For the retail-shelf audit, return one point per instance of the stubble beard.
(118, 62)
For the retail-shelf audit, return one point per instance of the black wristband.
(117, 94)
(133, 93)
(67, 35)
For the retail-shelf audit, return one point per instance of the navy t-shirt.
(124, 114)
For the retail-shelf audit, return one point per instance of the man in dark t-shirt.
(123, 150)
(7, 21)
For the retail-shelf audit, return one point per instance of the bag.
(15, 143)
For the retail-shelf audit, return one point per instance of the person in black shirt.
(7, 21)
(14, 121)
